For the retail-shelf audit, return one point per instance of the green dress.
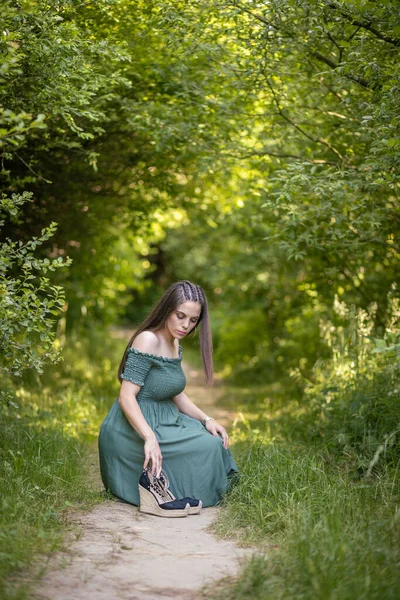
(195, 461)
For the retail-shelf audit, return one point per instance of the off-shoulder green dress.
(196, 462)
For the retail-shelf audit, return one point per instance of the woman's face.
(183, 319)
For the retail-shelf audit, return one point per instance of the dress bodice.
(160, 377)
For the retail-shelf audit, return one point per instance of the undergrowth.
(319, 488)
(318, 533)
(47, 426)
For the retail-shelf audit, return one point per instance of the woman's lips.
(182, 332)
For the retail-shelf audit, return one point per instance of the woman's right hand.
(152, 453)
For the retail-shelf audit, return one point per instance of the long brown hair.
(177, 293)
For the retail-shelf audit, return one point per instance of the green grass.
(324, 525)
(320, 528)
(46, 434)
(320, 535)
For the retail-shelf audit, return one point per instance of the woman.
(153, 422)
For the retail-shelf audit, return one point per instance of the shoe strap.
(158, 487)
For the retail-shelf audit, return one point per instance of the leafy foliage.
(252, 147)
(308, 204)
(355, 395)
(28, 301)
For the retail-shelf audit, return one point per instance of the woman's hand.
(152, 453)
(215, 428)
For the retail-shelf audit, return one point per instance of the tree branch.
(258, 17)
(300, 129)
(357, 29)
(340, 48)
(315, 161)
(360, 80)
(364, 25)
(30, 168)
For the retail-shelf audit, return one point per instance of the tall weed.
(354, 398)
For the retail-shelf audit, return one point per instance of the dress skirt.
(195, 461)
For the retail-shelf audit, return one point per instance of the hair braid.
(178, 293)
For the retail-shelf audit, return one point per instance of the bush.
(355, 396)
(28, 301)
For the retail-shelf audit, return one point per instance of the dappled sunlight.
(249, 147)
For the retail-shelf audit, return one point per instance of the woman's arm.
(131, 409)
(145, 342)
(187, 407)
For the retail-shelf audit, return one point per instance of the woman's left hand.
(215, 428)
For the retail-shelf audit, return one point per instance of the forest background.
(252, 147)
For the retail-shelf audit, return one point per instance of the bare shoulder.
(147, 341)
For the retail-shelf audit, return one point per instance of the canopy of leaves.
(150, 132)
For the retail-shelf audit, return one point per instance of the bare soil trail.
(123, 554)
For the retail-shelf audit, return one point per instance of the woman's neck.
(167, 340)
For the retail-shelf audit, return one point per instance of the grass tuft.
(48, 428)
(320, 534)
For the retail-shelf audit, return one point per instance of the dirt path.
(126, 555)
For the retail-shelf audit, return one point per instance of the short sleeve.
(137, 367)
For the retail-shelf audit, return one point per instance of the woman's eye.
(183, 316)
